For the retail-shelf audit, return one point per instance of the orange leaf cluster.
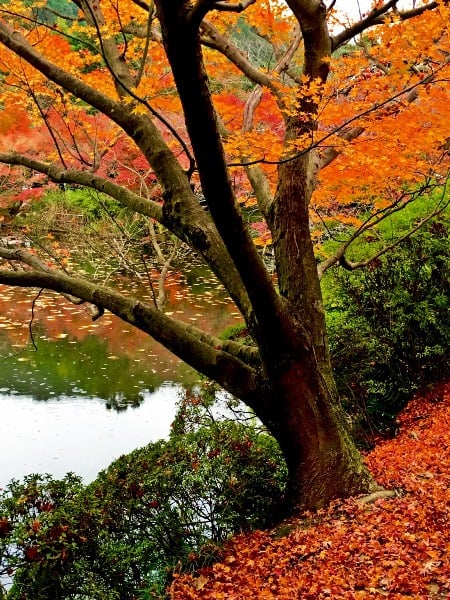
(394, 547)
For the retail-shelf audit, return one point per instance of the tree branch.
(347, 133)
(118, 68)
(108, 48)
(133, 201)
(148, 37)
(339, 257)
(216, 41)
(183, 50)
(203, 7)
(141, 3)
(22, 256)
(230, 7)
(181, 212)
(255, 174)
(377, 17)
(207, 354)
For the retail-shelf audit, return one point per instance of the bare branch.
(339, 257)
(147, 44)
(377, 17)
(207, 354)
(255, 174)
(133, 201)
(351, 266)
(346, 135)
(23, 256)
(219, 42)
(199, 12)
(256, 95)
(186, 227)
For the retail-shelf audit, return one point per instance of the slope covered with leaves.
(395, 547)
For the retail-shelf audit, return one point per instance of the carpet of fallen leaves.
(397, 547)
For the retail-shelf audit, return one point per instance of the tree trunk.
(287, 379)
(323, 461)
(298, 401)
(306, 418)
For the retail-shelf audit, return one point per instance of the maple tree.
(250, 104)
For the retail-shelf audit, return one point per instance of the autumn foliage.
(371, 96)
(394, 547)
(283, 108)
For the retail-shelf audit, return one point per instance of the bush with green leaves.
(90, 204)
(42, 530)
(165, 507)
(389, 326)
(171, 504)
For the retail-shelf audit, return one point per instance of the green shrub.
(389, 326)
(171, 504)
(41, 535)
(165, 507)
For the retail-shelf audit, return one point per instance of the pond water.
(73, 433)
(76, 394)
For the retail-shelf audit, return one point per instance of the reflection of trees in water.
(120, 402)
(105, 359)
(82, 369)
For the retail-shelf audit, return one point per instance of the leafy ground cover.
(394, 547)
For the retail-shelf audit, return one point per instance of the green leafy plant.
(41, 537)
(171, 504)
(390, 326)
(163, 508)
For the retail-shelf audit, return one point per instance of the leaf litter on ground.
(392, 547)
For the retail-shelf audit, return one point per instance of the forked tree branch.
(183, 49)
(338, 257)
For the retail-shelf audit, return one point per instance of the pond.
(76, 394)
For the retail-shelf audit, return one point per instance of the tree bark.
(297, 396)
(309, 424)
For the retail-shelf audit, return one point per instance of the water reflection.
(60, 373)
(85, 368)
(61, 351)
(74, 433)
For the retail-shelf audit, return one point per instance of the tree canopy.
(289, 107)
